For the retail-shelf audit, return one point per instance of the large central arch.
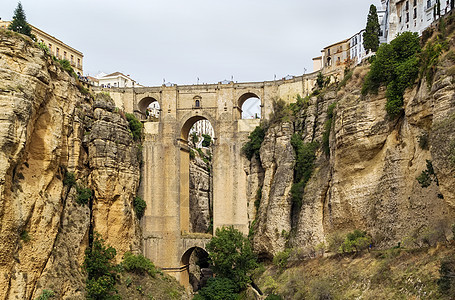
(184, 169)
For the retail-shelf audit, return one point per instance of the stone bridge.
(165, 171)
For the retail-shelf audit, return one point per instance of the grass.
(381, 274)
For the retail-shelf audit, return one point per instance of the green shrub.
(429, 58)
(327, 128)
(194, 138)
(66, 65)
(281, 258)
(304, 166)
(192, 154)
(218, 288)
(25, 237)
(232, 256)
(320, 80)
(69, 179)
(207, 141)
(138, 264)
(347, 77)
(446, 281)
(355, 241)
(139, 207)
(396, 66)
(46, 294)
(427, 176)
(251, 148)
(83, 195)
(280, 112)
(299, 104)
(423, 141)
(135, 126)
(102, 272)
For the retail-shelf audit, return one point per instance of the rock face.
(48, 131)
(200, 195)
(368, 181)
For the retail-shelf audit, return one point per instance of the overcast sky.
(181, 40)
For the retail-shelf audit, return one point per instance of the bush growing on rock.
(251, 148)
(135, 126)
(101, 270)
(218, 288)
(139, 207)
(395, 66)
(232, 256)
(138, 264)
(355, 241)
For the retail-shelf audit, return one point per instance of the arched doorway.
(197, 267)
(250, 106)
(149, 108)
(196, 181)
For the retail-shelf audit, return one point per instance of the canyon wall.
(368, 179)
(53, 131)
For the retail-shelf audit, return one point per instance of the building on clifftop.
(56, 47)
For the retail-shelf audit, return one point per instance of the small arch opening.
(250, 106)
(198, 267)
(149, 108)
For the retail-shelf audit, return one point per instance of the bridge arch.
(196, 267)
(249, 105)
(189, 120)
(150, 103)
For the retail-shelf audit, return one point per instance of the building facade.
(56, 47)
(336, 56)
(411, 15)
(116, 79)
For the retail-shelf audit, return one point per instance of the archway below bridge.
(196, 268)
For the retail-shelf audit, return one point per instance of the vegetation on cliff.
(19, 23)
(396, 66)
(232, 259)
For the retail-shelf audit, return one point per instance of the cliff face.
(368, 181)
(49, 130)
(200, 195)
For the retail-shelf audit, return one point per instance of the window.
(78, 62)
(400, 19)
(72, 58)
(407, 5)
(64, 54)
(197, 103)
(328, 51)
(415, 2)
(407, 17)
(50, 46)
(58, 51)
(415, 13)
(428, 4)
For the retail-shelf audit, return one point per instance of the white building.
(411, 15)
(356, 49)
(116, 79)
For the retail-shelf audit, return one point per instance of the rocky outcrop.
(368, 181)
(48, 131)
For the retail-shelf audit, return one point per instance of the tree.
(371, 34)
(232, 256)
(19, 23)
(320, 80)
